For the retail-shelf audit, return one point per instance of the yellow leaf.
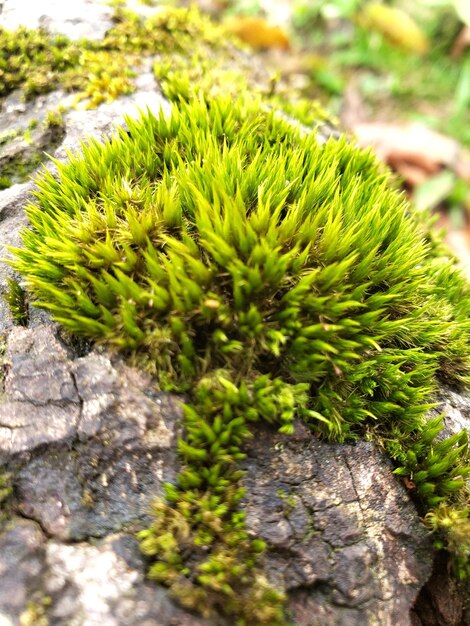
(395, 25)
(257, 32)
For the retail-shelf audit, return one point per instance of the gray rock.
(91, 442)
(16, 115)
(22, 560)
(345, 538)
(78, 19)
(80, 584)
(456, 407)
(104, 584)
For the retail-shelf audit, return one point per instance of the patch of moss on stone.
(38, 62)
(34, 60)
(24, 149)
(269, 278)
(8, 135)
(5, 182)
(266, 276)
(19, 168)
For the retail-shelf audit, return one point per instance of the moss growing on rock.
(38, 62)
(193, 56)
(23, 151)
(270, 278)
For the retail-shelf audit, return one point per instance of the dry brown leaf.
(256, 32)
(462, 42)
(413, 175)
(412, 147)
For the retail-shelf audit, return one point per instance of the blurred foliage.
(398, 54)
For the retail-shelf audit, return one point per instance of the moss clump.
(169, 30)
(269, 278)
(34, 59)
(16, 299)
(5, 182)
(455, 523)
(19, 161)
(38, 61)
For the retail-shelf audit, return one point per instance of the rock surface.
(88, 442)
(77, 19)
(344, 538)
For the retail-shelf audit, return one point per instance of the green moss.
(8, 135)
(16, 299)
(35, 613)
(455, 523)
(5, 182)
(269, 278)
(5, 492)
(38, 62)
(34, 60)
(19, 168)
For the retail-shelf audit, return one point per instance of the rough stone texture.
(77, 19)
(456, 407)
(22, 550)
(441, 601)
(79, 584)
(345, 539)
(89, 443)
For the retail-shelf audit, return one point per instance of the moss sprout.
(5, 182)
(269, 278)
(455, 523)
(35, 613)
(16, 299)
(55, 119)
(6, 491)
